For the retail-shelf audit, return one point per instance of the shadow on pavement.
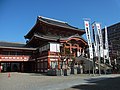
(38, 74)
(106, 84)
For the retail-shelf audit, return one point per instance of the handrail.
(14, 57)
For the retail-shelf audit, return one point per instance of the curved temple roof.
(54, 22)
(57, 23)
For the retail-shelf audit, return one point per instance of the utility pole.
(94, 45)
(100, 45)
(99, 59)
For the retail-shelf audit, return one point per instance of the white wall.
(54, 47)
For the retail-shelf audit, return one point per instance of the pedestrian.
(1, 67)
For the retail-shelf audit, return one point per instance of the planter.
(75, 70)
(58, 72)
(78, 70)
(54, 72)
(72, 71)
(65, 72)
(51, 72)
(68, 72)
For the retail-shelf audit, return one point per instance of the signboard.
(44, 48)
(54, 47)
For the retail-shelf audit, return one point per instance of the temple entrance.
(74, 50)
(10, 67)
(18, 67)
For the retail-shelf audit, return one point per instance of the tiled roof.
(52, 22)
(57, 23)
(11, 44)
(14, 45)
(44, 37)
(54, 38)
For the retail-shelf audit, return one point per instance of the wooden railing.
(68, 55)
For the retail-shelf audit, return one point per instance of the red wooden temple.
(49, 43)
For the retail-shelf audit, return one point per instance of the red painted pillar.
(48, 60)
(0, 68)
(58, 61)
(70, 49)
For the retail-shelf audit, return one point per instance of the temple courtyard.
(33, 81)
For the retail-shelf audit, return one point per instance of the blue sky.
(17, 17)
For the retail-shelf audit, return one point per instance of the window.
(45, 64)
(4, 52)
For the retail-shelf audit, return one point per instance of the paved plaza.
(32, 81)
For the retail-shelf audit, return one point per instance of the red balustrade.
(14, 58)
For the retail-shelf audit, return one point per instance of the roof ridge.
(52, 19)
(72, 26)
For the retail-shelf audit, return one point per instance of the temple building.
(50, 44)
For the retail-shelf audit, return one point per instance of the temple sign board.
(54, 47)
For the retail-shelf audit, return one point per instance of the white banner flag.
(88, 38)
(100, 38)
(106, 44)
(96, 47)
(95, 40)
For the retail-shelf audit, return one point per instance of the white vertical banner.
(78, 53)
(106, 44)
(95, 40)
(87, 29)
(109, 61)
(100, 38)
(96, 45)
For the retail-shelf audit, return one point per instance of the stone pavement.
(32, 81)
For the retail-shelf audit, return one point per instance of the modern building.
(50, 44)
(114, 42)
